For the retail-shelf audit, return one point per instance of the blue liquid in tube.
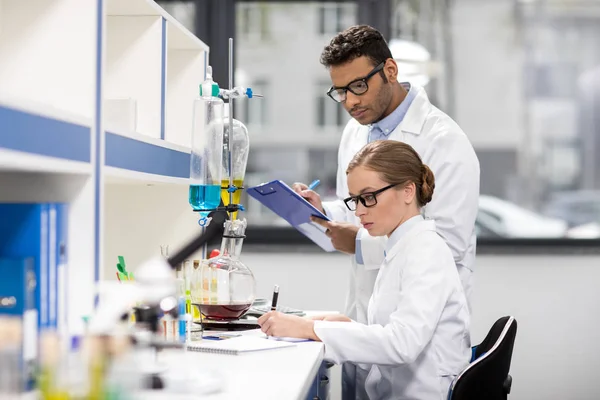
(205, 197)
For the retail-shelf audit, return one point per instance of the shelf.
(120, 176)
(58, 145)
(33, 140)
(144, 159)
(181, 38)
(48, 53)
(186, 69)
(17, 161)
(138, 219)
(133, 8)
(134, 73)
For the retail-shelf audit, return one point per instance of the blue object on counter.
(182, 320)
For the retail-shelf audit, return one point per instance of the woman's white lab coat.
(417, 338)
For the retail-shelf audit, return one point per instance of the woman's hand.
(331, 317)
(275, 323)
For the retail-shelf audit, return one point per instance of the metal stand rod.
(204, 250)
(230, 138)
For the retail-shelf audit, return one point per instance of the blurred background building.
(521, 77)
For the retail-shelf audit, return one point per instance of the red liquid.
(224, 312)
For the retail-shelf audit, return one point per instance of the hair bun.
(428, 185)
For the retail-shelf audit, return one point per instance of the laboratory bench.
(291, 373)
(294, 373)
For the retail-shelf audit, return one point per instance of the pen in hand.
(314, 184)
(275, 296)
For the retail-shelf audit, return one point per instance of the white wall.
(554, 299)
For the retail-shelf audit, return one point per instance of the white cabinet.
(95, 110)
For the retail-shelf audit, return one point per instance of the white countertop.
(280, 374)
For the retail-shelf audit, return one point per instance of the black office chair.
(487, 376)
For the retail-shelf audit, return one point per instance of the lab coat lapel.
(399, 248)
(427, 225)
(415, 116)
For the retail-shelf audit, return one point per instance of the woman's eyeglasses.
(368, 199)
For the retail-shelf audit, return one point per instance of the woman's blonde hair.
(398, 164)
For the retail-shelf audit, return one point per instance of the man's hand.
(310, 195)
(342, 234)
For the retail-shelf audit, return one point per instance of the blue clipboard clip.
(296, 210)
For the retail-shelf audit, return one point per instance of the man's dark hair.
(354, 42)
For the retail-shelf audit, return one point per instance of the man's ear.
(391, 70)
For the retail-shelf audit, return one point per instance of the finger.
(324, 223)
(298, 187)
(328, 233)
(266, 325)
(270, 330)
(309, 195)
(263, 318)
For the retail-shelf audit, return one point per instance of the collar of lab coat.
(417, 113)
(424, 225)
(402, 230)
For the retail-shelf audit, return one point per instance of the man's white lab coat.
(445, 148)
(417, 338)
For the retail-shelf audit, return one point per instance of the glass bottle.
(240, 146)
(227, 285)
(207, 148)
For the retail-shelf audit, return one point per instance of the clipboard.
(289, 205)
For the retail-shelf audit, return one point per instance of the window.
(404, 21)
(255, 109)
(328, 112)
(334, 18)
(253, 20)
(516, 79)
(323, 165)
(553, 80)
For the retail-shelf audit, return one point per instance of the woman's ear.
(409, 193)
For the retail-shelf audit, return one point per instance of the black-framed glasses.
(368, 199)
(358, 86)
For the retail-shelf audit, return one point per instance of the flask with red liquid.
(227, 285)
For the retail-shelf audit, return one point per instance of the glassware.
(207, 148)
(240, 146)
(226, 285)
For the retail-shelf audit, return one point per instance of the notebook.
(238, 345)
(289, 205)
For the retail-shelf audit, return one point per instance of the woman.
(417, 339)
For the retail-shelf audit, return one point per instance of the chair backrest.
(486, 377)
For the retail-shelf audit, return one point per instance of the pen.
(212, 338)
(275, 295)
(314, 184)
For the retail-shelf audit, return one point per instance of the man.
(365, 80)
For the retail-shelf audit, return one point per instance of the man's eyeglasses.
(368, 199)
(358, 86)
